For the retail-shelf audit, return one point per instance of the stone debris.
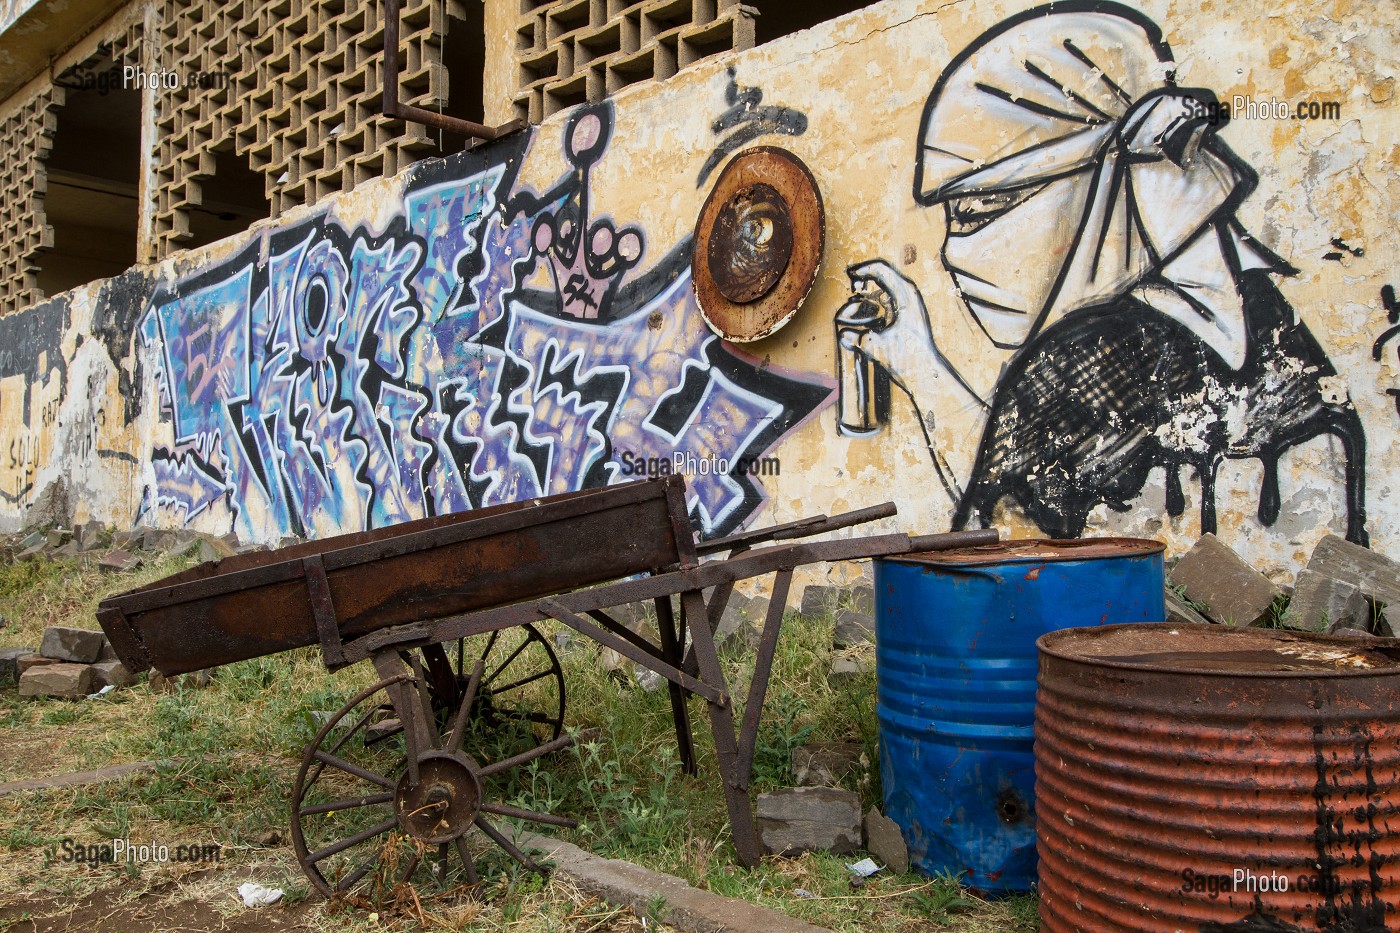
(88, 536)
(742, 621)
(9, 665)
(809, 819)
(68, 681)
(819, 600)
(1233, 591)
(72, 644)
(853, 628)
(862, 597)
(1388, 622)
(1338, 572)
(884, 840)
(118, 562)
(26, 661)
(112, 674)
(845, 669)
(1180, 612)
(827, 764)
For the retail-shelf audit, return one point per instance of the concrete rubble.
(884, 840)
(82, 646)
(1233, 592)
(1343, 582)
(63, 680)
(809, 819)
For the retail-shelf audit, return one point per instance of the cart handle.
(802, 528)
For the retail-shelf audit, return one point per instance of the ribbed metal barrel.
(955, 656)
(1207, 778)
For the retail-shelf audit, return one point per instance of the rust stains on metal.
(1205, 778)
(751, 243)
(1038, 550)
(759, 244)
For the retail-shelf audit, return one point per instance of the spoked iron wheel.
(520, 699)
(366, 818)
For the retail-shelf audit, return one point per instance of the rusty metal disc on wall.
(758, 244)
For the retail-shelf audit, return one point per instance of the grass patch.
(232, 751)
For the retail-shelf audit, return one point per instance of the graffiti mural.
(1091, 231)
(1392, 308)
(746, 119)
(490, 345)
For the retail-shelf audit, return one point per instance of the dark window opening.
(230, 201)
(778, 19)
(464, 57)
(92, 198)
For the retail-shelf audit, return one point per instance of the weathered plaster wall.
(1197, 301)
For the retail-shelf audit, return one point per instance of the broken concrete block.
(159, 683)
(809, 819)
(58, 537)
(844, 670)
(648, 679)
(862, 598)
(742, 621)
(126, 540)
(1346, 631)
(826, 764)
(211, 549)
(1233, 591)
(1388, 622)
(1321, 602)
(9, 665)
(118, 562)
(884, 840)
(111, 673)
(25, 661)
(853, 628)
(69, 681)
(1336, 567)
(72, 644)
(37, 552)
(1180, 612)
(88, 536)
(31, 540)
(819, 600)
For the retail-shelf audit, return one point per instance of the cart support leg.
(408, 707)
(736, 794)
(671, 641)
(762, 670)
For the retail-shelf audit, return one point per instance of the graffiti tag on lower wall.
(489, 346)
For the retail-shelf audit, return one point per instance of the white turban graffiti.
(1074, 172)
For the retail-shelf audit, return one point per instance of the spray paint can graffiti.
(864, 403)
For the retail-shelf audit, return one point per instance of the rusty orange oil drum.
(1214, 779)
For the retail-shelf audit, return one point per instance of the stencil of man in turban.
(1091, 230)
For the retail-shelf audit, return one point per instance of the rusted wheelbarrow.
(469, 689)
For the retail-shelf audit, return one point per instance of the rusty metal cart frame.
(568, 558)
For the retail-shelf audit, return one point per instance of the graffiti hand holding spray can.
(884, 339)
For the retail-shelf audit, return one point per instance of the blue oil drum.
(956, 666)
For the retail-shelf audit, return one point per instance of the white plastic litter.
(258, 895)
(101, 693)
(864, 868)
(803, 892)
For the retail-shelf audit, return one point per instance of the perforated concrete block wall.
(295, 89)
(26, 136)
(570, 51)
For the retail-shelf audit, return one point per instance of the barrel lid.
(1036, 550)
(1222, 649)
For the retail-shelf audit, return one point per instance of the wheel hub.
(445, 801)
